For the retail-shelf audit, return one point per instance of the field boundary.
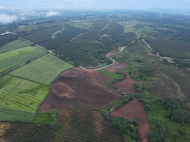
(13, 68)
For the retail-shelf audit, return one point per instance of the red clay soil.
(78, 88)
(126, 86)
(135, 109)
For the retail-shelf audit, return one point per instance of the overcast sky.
(100, 4)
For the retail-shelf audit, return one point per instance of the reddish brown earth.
(78, 88)
(126, 86)
(135, 109)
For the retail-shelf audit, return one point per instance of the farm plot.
(131, 110)
(18, 132)
(43, 70)
(88, 125)
(18, 56)
(163, 88)
(13, 45)
(78, 88)
(22, 95)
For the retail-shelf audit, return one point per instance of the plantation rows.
(182, 78)
(88, 125)
(22, 95)
(163, 88)
(28, 133)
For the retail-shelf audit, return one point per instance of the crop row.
(89, 125)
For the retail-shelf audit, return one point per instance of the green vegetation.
(54, 35)
(158, 112)
(43, 70)
(13, 45)
(88, 125)
(22, 95)
(42, 118)
(13, 115)
(112, 76)
(29, 132)
(18, 56)
(43, 34)
(128, 26)
(6, 39)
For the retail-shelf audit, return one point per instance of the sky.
(96, 4)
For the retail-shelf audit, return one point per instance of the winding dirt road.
(108, 56)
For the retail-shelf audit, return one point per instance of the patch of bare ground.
(118, 66)
(78, 88)
(131, 110)
(126, 86)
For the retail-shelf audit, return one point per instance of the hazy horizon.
(95, 4)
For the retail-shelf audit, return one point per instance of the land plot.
(6, 39)
(127, 25)
(88, 125)
(118, 66)
(78, 88)
(131, 110)
(20, 94)
(18, 56)
(43, 70)
(43, 35)
(28, 132)
(164, 88)
(13, 45)
(111, 76)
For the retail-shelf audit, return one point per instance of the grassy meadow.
(18, 56)
(110, 75)
(43, 70)
(13, 45)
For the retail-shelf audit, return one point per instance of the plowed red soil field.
(78, 88)
(135, 109)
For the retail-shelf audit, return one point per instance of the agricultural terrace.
(87, 125)
(20, 95)
(13, 45)
(43, 70)
(18, 56)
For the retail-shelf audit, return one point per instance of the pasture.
(43, 70)
(18, 56)
(13, 45)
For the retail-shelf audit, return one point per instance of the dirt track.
(78, 88)
(135, 109)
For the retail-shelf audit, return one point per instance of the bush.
(176, 135)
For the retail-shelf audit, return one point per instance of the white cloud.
(6, 19)
(52, 13)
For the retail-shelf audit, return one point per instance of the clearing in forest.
(43, 70)
(18, 56)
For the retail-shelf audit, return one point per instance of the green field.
(110, 75)
(43, 70)
(20, 95)
(18, 56)
(13, 45)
